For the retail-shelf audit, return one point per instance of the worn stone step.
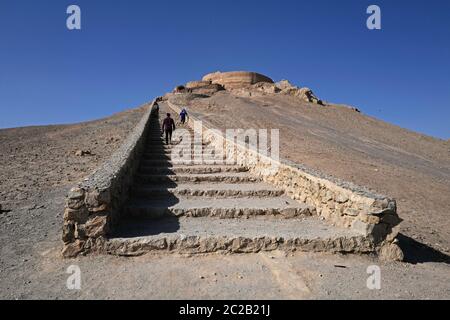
(176, 155)
(160, 135)
(225, 177)
(207, 235)
(171, 163)
(179, 151)
(162, 141)
(212, 190)
(190, 169)
(170, 148)
(222, 208)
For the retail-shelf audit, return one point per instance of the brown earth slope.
(38, 165)
(37, 159)
(411, 167)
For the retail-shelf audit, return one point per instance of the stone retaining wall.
(339, 203)
(93, 206)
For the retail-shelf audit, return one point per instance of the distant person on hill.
(168, 127)
(183, 115)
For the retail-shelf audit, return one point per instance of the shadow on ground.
(417, 252)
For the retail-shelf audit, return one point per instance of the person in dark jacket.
(168, 127)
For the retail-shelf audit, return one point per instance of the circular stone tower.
(236, 79)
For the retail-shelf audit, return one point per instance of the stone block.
(96, 226)
(76, 215)
(391, 252)
(73, 249)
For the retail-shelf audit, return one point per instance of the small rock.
(391, 252)
(112, 139)
(202, 277)
(82, 153)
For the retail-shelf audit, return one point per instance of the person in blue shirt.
(183, 115)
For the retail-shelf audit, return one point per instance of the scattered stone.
(265, 87)
(391, 252)
(305, 94)
(284, 84)
(112, 139)
(82, 153)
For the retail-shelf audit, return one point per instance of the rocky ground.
(39, 165)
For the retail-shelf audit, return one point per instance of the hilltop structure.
(245, 83)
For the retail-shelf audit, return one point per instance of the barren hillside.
(38, 167)
(411, 167)
(38, 159)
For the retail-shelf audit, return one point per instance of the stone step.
(211, 190)
(207, 235)
(179, 149)
(176, 143)
(170, 148)
(162, 140)
(222, 208)
(226, 177)
(175, 154)
(160, 135)
(190, 169)
(168, 163)
(178, 146)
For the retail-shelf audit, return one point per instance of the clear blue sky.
(131, 51)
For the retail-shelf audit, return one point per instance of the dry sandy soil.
(39, 165)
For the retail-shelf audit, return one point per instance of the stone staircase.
(179, 206)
